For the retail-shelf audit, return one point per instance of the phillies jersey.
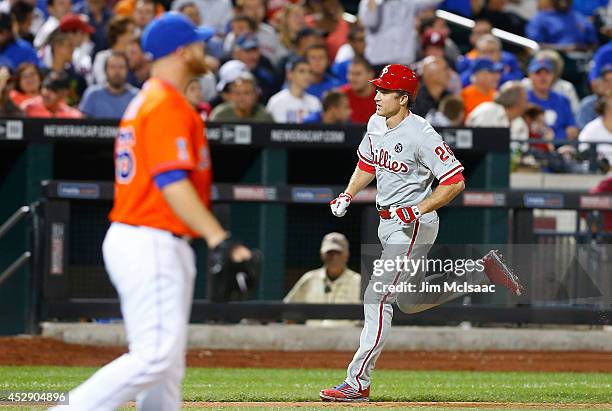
(159, 132)
(406, 159)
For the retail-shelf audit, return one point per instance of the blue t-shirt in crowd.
(313, 118)
(340, 70)
(98, 102)
(586, 111)
(602, 56)
(587, 7)
(557, 112)
(462, 7)
(319, 89)
(20, 51)
(552, 27)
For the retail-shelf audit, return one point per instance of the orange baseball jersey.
(159, 132)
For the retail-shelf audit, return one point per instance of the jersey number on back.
(444, 152)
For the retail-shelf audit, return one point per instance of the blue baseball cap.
(486, 64)
(541, 63)
(247, 42)
(171, 31)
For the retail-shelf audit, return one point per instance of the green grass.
(204, 384)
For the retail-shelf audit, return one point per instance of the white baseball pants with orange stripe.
(413, 241)
(154, 274)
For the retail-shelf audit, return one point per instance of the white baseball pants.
(154, 273)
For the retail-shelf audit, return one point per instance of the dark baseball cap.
(541, 63)
(76, 22)
(433, 37)
(486, 64)
(169, 32)
(56, 82)
(247, 42)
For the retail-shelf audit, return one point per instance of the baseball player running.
(162, 191)
(405, 154)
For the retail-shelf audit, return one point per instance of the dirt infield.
(47, 351)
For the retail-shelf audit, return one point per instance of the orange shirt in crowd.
(19, 98)
(126, 8)
(34, 107)
(472, 97)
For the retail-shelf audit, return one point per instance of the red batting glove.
(404, 216)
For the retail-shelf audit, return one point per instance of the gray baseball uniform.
(406, 159)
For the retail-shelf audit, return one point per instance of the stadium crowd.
(307, 61)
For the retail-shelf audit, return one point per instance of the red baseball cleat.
(499, 273)
(345, 393)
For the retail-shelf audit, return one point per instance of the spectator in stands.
(228, 73)
(390, 30)
(435, 23)
(336, 110)
(434, 85)
(450, 112)
(120, 35)
(61, 62)
(13, 50)
(558, 111)
(50, 103)
(214, 13)
(354, 47)
(22, 13)
(292, 19)
(193, 94)
(432, 45)
(247, 50)
(602, 57)
(489, 46)
(322, 80)
(78, 32)
(538, 130)
(334, 282)
(360, 91)
(138, 64)
(586, 110)
(304, 39)
(327, 17)
(190, 10)
(599, 130)
(266, 35)
(109, 100)
(243, 104)
(27, 83)
(506, 110)
(57, 9)
(239, 26)
(7, 107)
(485, 79)
(98, 16)
(494, 11)
(144, 13)
(561, 86)
(293, 104)
(557, 26)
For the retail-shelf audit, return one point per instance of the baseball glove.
(230, 280)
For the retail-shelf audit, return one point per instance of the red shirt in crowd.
(361, 107)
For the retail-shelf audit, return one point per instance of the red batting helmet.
(397, 77)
